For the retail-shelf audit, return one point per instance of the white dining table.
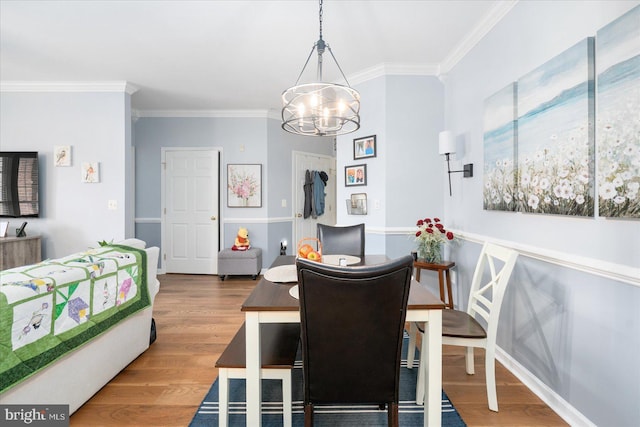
(271, 302)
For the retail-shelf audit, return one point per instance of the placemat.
(294, 292)
(282, 274)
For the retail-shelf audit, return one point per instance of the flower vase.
(430, 252)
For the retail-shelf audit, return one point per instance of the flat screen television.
(19, 184)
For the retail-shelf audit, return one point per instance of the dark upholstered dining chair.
(348, 240)
(352, 321)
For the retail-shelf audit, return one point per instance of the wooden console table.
(442, 267)
(19, 251)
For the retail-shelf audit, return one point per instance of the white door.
(301, 163)
(191, 231)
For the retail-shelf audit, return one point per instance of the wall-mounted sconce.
(447, 145)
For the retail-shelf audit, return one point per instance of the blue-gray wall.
(280, 160)
(567, 319)
(74, 215)
(241, 140)
(405, 179)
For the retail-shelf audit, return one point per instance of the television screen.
(19, 184)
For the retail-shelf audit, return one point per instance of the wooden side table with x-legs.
(442, 268)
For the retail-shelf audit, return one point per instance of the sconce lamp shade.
(446, 142)
(447, 146)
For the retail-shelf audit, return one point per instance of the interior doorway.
(190, 210)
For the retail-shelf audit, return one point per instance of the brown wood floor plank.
(197, 315)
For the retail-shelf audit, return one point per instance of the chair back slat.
(484, 309)
(495, 263)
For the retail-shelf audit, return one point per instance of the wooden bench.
(279, 345)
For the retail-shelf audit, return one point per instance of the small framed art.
(244, 186)
(355, 175)
(90, 172)
(364, 147)
(62, 155)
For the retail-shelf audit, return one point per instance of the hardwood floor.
(196, 316)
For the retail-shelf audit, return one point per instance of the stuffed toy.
(242, 240)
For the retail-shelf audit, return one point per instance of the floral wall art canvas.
(618, 117)
(555, 152)
(244, 186)
(500, 137)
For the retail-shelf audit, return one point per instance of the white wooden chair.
(461, 328)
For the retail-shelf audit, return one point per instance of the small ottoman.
(247, 262)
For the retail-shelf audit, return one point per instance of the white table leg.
(423, 366)
(433, 403)
(254, 383)
(223, 397)
(411, 350)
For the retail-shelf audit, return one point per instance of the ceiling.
(230, 55)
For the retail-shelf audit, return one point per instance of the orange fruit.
(304, 250)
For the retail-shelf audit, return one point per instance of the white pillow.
(134, 243)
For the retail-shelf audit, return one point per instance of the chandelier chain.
(320, 15)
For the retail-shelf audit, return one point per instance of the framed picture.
(617, 169)
(244, 186)
(62, 155)
(500, 135)
(355, 175)
(364, 147)
(90, 172)
(555, 152)
(357, 205)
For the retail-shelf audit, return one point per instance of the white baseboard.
(563, 408)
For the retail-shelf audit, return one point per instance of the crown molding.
(44, 86)
(261, 114)
(497, 12)
(388, 69)
(494, 16)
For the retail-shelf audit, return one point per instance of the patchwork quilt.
(51, 308)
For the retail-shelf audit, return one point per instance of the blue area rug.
(333, 416)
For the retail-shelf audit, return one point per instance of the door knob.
(213, 218)
(299, 215)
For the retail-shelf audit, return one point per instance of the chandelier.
(320, 108)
